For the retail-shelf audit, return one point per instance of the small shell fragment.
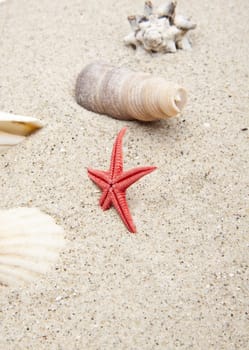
(124, 94)
(29, 242)
(14, 129)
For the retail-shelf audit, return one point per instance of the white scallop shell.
(124, 94)
(14, 129)
(29, 242)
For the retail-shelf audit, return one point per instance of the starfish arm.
(129, 177)
(99, 177)
(120, 204)
(116, 166)
(105, 200)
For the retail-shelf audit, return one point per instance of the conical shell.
(14, 128)
(29, 242)
(124, 94)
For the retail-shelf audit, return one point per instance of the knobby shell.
(160, 29)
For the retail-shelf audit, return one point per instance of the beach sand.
(182, 281)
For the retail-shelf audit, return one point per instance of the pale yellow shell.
(124, 94)
(14, 129)
(30, 241)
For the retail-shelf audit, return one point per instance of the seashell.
(183, 23)
(14, 129)
(148, 8)
(166, 10)
(159, 29)
(123, 94)
(29, 242)
(7, 140)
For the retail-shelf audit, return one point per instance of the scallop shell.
(123, 94)
(14, 129)
(29, 242)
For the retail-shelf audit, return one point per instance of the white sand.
(182, 281)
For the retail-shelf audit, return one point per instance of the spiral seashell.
(159, 29)
(29, 242)
(14, 129)
(124, 94)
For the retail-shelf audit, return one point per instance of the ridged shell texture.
(124, 94)
(30, 241)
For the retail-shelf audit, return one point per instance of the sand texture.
(182, 281)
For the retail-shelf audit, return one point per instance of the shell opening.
(172, 100)
(180, 100)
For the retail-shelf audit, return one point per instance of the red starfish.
(115, 182)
